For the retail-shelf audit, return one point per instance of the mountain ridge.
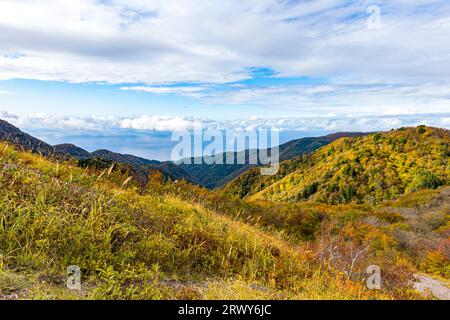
(208, 175)
(376, 167)
(14, 135)
(122, 158)
(217, 175)
(141, 167)
(72, 150)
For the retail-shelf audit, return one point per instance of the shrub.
(436, 262)
(421, 129)
(425, 180)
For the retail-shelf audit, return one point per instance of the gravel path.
(426, 284)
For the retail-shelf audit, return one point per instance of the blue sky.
(32, 96)
(122, 74)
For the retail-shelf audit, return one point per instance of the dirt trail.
(426, 284)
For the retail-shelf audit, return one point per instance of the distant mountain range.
(208, 175)
(141, 167)
(217, 175)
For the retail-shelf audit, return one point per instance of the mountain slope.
(217, 175)
(373, 168)
(122, 158)
(175, 172)
(140, 167)
(10, 133)
(73, 151)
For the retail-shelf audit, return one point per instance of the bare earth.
(427, 284)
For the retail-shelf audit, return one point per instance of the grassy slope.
(414, 227)
(367, 169)
(130, 244)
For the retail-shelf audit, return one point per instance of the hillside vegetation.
(413, 228)
(134, 244)
(369, 169)
(161, 243)
(138, 235)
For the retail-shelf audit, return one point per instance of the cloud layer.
(146, 123)
(150, 136)
(140, 41)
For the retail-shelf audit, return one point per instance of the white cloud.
(158, 41)
(157, 123)
(9, 93)
(340, 99)
(8, 116)
(60, 122)
(163, 90)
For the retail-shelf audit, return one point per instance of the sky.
(123, 74)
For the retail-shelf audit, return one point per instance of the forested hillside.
(370, 169)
